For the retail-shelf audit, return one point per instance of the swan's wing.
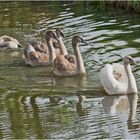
(9, 38)
(119, 73)
(39, 57)
(71, 58)
(3, 45)
(41, 48)
(63, 65)
(55, 44)
(26, 53)
(111, 85)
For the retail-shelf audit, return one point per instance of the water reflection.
(80, 106)
(124, 106)
(79, 82)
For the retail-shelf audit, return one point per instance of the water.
(27, 105)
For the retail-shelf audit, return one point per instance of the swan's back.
(119, 73)
(35, 58)
(114, 79)
(63, 67)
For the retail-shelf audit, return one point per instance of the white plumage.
(118, 79)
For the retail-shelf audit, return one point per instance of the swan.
(64, 66)
(58, 44)
(59, 47)
(8, 42)
(39, 46)
(119, 79)
(37, 58)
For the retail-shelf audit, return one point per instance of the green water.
(26, 108)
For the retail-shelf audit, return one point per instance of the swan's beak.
(83, 41)
(136, 62)
(19, 45)
(133, 62)
(62, 34)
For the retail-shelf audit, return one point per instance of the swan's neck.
(132, 87)
(63, 50)
(79, 60)
(52, 54)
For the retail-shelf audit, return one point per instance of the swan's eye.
(131, 60)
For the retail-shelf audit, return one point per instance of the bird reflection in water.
(123, 104)
(80, 106)
(55, 100)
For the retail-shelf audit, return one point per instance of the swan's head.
(128, 60)
(59, 33)
(50, 35)
(77, 39)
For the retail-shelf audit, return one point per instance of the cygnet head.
(128, 60)
(77, 39)
(59, 33)
(50, 35)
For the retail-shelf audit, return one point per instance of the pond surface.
(27, 106)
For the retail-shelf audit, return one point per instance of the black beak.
(131, 61)
(19, 45)
(83, 41)
(61, 33)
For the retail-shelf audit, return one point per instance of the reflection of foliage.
(16, 13)
(132, 6)
(25, 117)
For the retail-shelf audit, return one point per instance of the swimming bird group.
(115, 78)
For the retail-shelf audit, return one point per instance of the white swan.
(119, 79)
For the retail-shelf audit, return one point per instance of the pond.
(34, 104)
